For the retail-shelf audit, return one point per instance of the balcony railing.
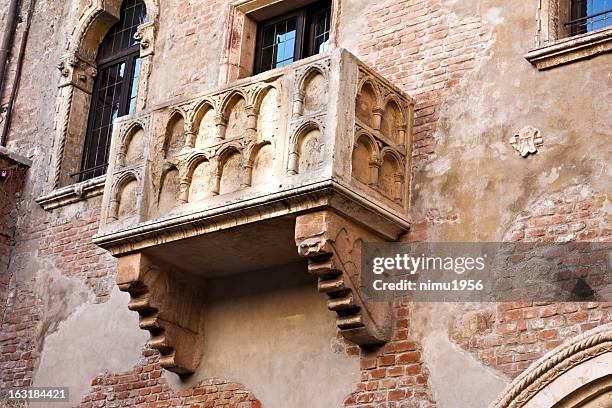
(325, 120)
(295, 166)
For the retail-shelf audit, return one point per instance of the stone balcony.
(297, 164)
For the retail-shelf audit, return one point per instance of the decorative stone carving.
(145, 33)
(554, 364)
(78, 71)
(169, 309)
(527, 140)
(310, 97)
(244, 159)
(332, 245)
(382, 118)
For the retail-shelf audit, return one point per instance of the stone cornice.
(571, 49)
(72, 193)
(14, 157)
(330, 194)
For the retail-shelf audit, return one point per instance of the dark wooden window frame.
(304, 41)
(91, 164)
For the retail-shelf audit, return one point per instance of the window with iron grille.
(115, 88)
(589, 15)
(293, 36)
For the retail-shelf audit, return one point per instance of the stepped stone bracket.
(332, 245)
(168, 309)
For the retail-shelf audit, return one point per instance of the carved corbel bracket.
(146, 35)
(332, 245)
(77, 71)
(169, 309)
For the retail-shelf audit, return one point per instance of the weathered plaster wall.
(99, 334)
(10, 191)
(463, 62)
(276, 339)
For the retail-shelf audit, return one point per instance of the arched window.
(115, 88)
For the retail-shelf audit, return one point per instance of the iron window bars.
(589, 15)
(114, 92)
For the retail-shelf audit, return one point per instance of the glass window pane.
(278, 44)
(268, 37)
(111, 85)
(320, 30)
(121, 35)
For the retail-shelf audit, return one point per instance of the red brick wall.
(63, 242)
(514, 335)
(145, 386)
(426, 51)
(394, 372)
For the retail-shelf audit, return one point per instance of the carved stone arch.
(394, 125)
(168, 196)
(309, 98)
(122, 180)
(390, 152)
(228, 126)
(251, 163)
(371, 141)
(187, 189)
(393, 98)
(365, 159)
(125, 142)
(311, 71)
(195, 114)
(391, 174)
(230, 170)
(258, 96)
(192, 162)
(529, 388)
(117, 190)
(367, 81)
(175, 133)
(226, 151)
(296, 150)
(194, 119)
(78, 71)
(97, 18)
(301, 128)
(251, 151)
(264, 115)
(229, 98)
(369, 103)
(126, 132)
